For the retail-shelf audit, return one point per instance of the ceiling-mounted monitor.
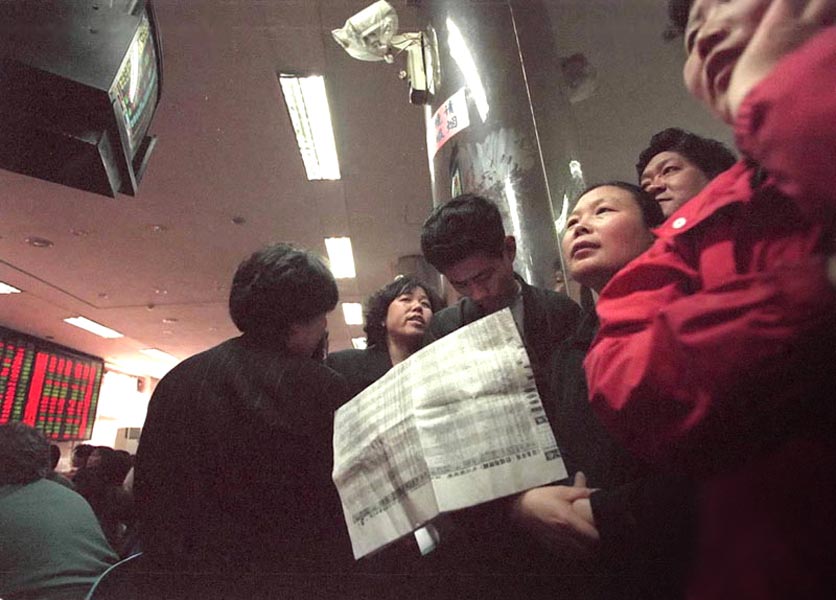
(80, 81)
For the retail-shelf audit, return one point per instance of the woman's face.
(605, 231)
(409, 315)
(718, 33)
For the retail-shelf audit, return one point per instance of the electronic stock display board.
(47, 386)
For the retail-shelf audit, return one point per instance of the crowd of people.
(691, 404)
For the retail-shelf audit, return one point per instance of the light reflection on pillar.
(575, 171)
(514, 212)
(464, 60)
(428, 118)
(560, 221)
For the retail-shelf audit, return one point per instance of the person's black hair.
(651, 210)
(125, 460)
(678, 11)
(709, 156)
(54, 455)
(83, 450)
(24, 454)
(378, 303)
(81, 453)
(278, 286)
(112, 467)
(457, 229)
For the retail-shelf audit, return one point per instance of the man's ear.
(509, 246)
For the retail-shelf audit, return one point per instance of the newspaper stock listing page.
(458, 423)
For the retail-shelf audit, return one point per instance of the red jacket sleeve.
(685, 377)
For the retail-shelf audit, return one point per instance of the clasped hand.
(559, 516)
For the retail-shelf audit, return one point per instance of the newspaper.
(458, 423)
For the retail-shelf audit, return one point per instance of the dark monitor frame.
(59, 115)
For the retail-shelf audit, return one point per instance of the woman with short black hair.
(396, 318)
(233, 471)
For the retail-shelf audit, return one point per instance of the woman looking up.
(631, 525)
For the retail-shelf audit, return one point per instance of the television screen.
(79, 86)
(136, 85)
(49, 387)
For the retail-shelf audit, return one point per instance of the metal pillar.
(519, 142)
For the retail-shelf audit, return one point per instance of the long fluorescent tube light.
(93, 327)
(5, 288)
(353, 313)
(158, 354)
(308, 107)
(341, 257)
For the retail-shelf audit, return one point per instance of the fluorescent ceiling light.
(353, 313)
(308, 107)
(359, 343)
(159, 355)
(5, 288)
(341, 257)
(93, 327)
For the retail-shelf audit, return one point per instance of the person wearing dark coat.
(396, 318)
(633, 525)
(464, 239)
(233, 470)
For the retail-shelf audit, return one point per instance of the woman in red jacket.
(716, 348)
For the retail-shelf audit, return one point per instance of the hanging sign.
(450, 118)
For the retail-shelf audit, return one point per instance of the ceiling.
(226, 177)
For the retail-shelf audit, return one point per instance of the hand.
(549, 515)
(785, 26)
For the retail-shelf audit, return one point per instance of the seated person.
(78, 458)
(677, 165)
(397, 315)
(634, 522)
(51, 545)
(233, 470)
(53, 475)
(100, 483)
(716, 347)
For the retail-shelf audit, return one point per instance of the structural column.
(499, 123)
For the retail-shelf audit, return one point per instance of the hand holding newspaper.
(458, 423)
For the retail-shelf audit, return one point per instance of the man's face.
(486, 279)
(673, 180)
(718, 32)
